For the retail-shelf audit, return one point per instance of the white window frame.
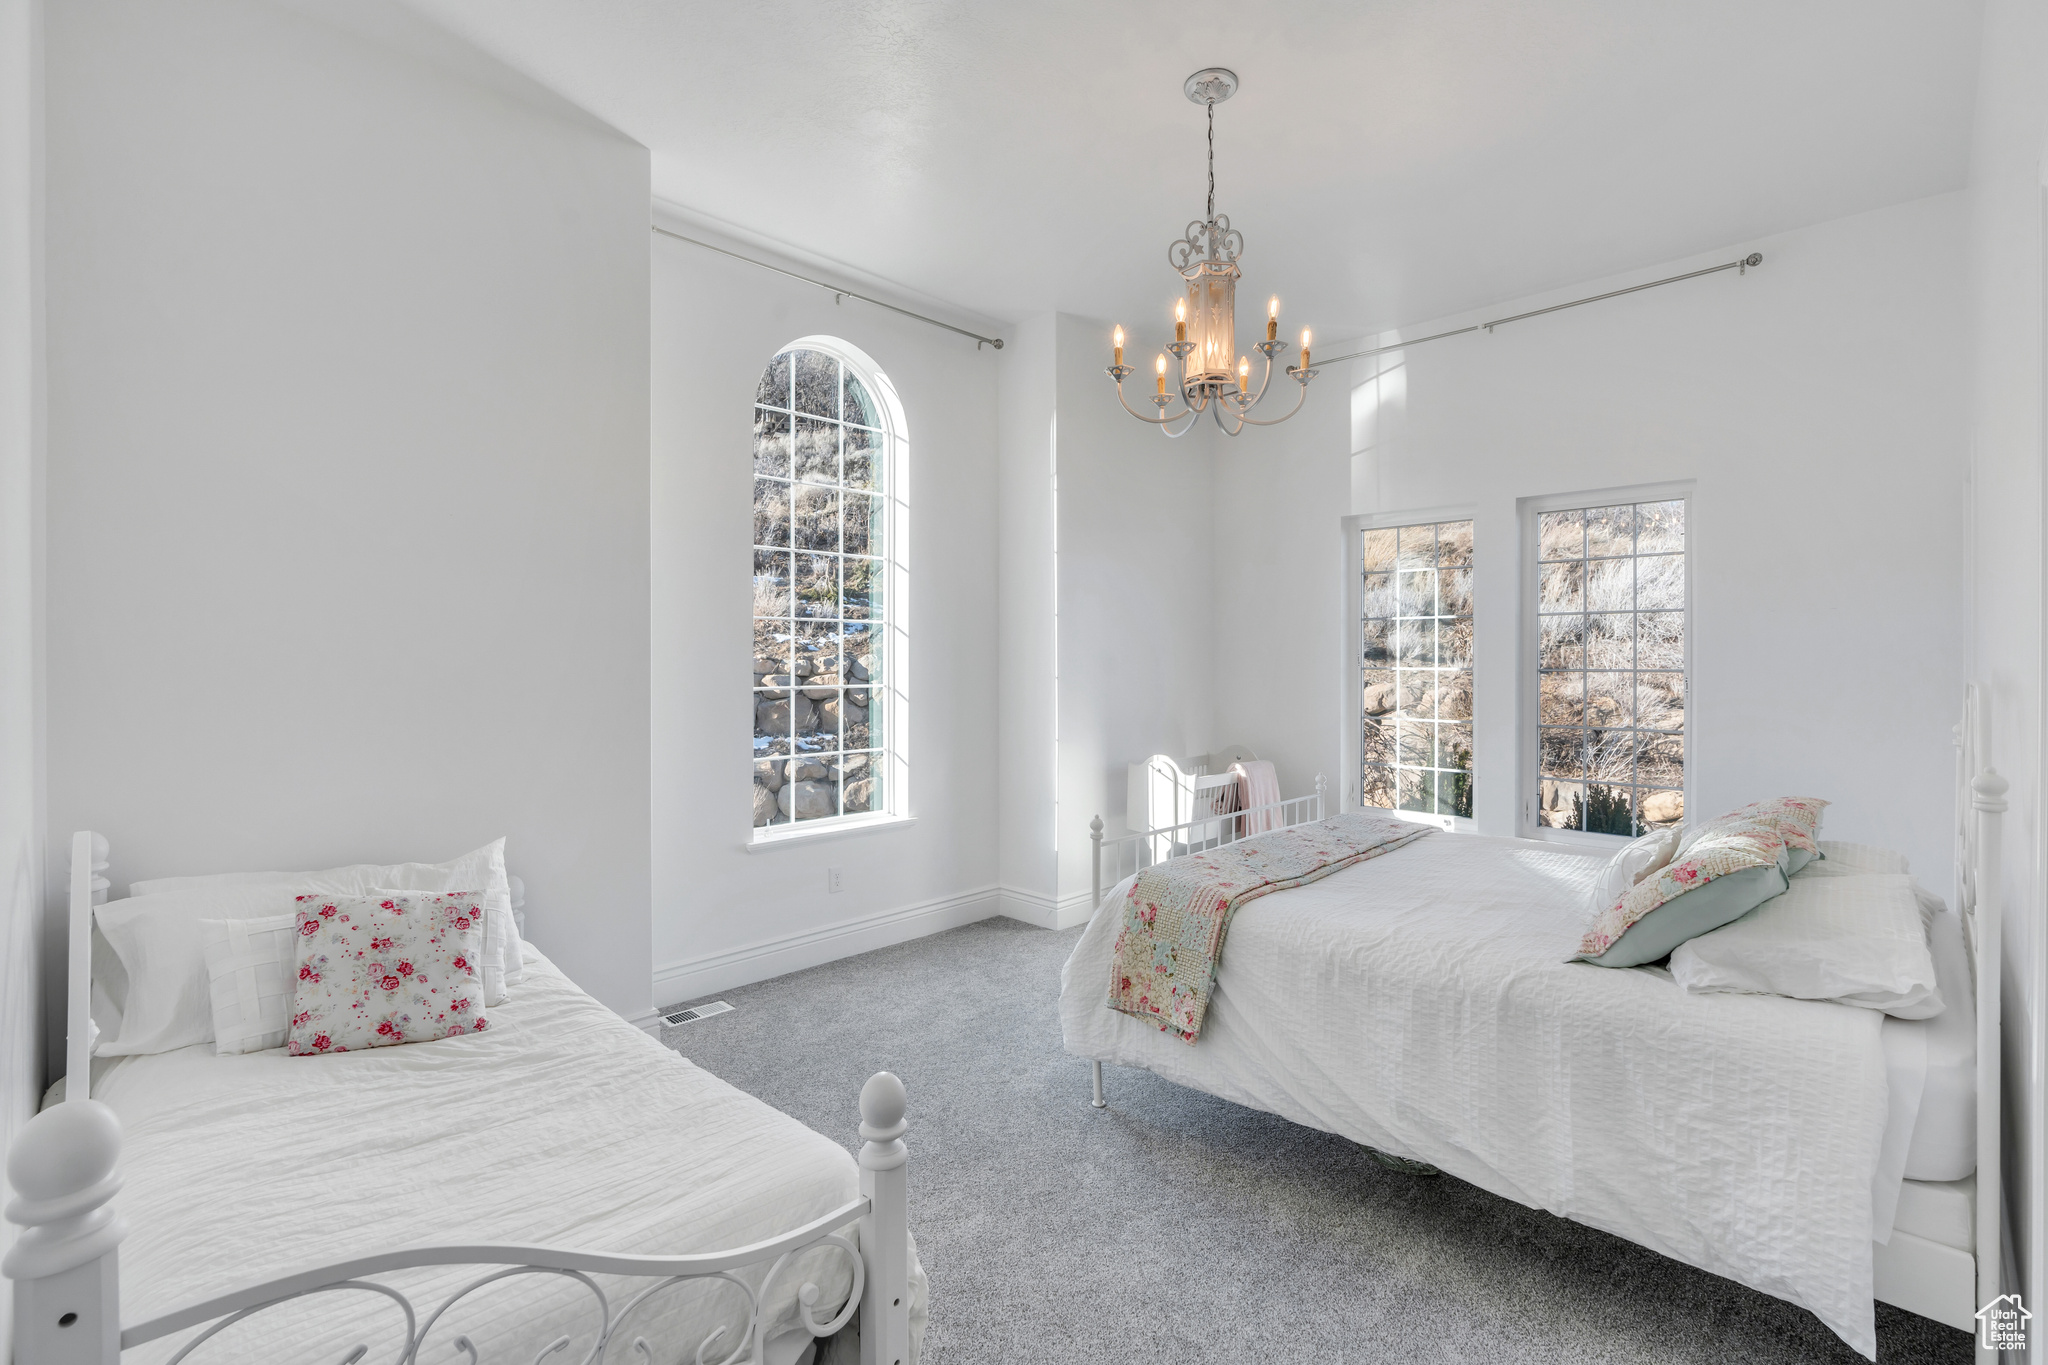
(895, 642)
(1354, 528)
(1528, 698)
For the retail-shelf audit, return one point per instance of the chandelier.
(1212, 376)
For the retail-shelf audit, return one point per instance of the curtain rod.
(836, 291)
(1742, 266)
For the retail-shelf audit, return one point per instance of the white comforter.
(563, 1126)
(1421, 1004)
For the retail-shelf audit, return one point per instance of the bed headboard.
(1979, 835)
(90, 855)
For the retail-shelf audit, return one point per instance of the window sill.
(786, 836)
(1579, 840)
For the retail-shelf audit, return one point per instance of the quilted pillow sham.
(1796, 818)
(376, 971)
(1855, 940)
(1720, 875)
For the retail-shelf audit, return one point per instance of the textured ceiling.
(1387, 162)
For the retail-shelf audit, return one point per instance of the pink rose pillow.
(394, 967)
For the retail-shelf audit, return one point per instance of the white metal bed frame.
(64, 1166)
(1914, 1273)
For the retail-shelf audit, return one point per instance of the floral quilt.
(1177, 912)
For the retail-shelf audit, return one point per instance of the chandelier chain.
(1212, 161)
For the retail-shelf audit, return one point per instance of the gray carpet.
(1177, 1226)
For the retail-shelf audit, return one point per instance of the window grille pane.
(1379, 553)
(774, 390)
(771, 512)
(771, 584)
(859, 407)
(1561, 535)
(864, 459)
(771, 648)
(1415, 668)
(1611, 661)
(771, 443)
(863, 524)
(817, 450)
(816, 518)
(817, 384)
(817, 586)
(861, 598)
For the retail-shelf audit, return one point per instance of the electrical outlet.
(832, 883)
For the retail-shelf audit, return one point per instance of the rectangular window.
(1611, 667)
(1415, 668)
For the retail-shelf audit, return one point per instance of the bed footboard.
(65, 1170)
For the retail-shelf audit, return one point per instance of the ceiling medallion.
(1214, 377)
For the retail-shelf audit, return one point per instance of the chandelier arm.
(1171, 434)
(1228, 431)
(1155, 421)
(1276, 421)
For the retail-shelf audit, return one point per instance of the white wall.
(348, 359)
(723, 915)
(1028, 430)
(1816, 401)
(2005, 246)
(1137, 582)
(1278, 656)
(21, 408)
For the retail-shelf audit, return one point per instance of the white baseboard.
(698, 977)
(1047, 912)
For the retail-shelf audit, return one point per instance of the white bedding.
(1420, 1003)
(562, 1126)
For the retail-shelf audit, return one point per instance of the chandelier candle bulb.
(1162, 376)
(1119, 335)
(1244, 373)
(1273, 318)
(1180, 319)
(1304, 348)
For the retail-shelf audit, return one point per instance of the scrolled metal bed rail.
(64, 1167)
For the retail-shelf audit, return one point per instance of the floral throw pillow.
(1731, 847)
(1796, 818)
(393, 967)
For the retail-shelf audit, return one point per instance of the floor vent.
(696, 1012)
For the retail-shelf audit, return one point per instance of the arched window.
(826, 702)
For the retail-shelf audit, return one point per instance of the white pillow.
(249, 966)
(481, 870)
(1839, 859)
(161, 948)
(1854, 939)
(1637, 859)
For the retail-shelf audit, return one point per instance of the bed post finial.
(64, 1167)
(885, 1228)
(1322, 785)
